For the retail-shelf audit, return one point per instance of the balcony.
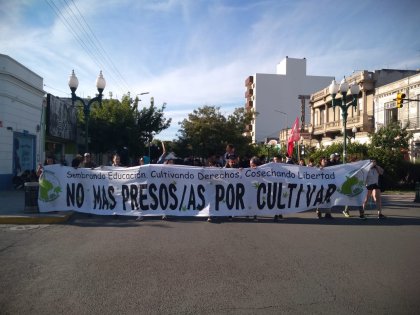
(249, 81)
(249, 93)
(249, 104)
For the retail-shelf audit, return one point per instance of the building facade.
(386, 111)
(326, 123)
(21, 115)
(275, 98)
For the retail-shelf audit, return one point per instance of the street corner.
(36, 218)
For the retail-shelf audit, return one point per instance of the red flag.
(294, 135)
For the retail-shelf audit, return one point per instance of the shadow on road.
(85, 220)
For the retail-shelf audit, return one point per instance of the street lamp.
(73, 84)
(343, 88)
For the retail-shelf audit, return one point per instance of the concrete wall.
(279, 92)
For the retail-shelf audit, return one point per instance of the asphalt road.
(301, 265)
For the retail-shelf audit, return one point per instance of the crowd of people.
(231, 160)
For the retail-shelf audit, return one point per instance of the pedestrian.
(372, 185)
(323, 163)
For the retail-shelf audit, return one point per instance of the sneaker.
(280, 216)
(362, 217)
(139, 218)
(319, 214)
(209, 219)
(328, 216)
(230, 218)
(381, 216)
(164, 217)
(346, 214)
(276, 218)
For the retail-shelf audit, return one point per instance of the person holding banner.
(323, 163)
(372, 185)
(254, 162)
(230, 151)
(87, 162)
(116, 160)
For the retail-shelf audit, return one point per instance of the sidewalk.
(12, 205)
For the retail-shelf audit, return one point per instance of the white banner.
(177, 190)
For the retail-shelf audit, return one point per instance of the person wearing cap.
(87, 161)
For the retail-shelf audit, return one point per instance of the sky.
(191, 53)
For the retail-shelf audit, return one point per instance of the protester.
(230, 150)
(116, 160)
(277, 159)
(144, 160)
(289, 160)
(87, 162)
(323, 163)
(311, 162)
(346, 210)
(161, 158)
(77, 161)
(48, 161)
(372, 185)
(254, 162)
(232, 162)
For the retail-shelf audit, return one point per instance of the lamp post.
(343, 88)
(100, 85)
(285, 123)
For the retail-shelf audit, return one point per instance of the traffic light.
(400, 99)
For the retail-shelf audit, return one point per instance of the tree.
(207, 131)
(118, 124)
(388, 146)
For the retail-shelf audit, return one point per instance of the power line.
(86, 38)
(100, 46)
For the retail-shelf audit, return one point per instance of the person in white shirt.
(372, 180)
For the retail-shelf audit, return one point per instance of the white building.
(387, 112)
(275, 97)
(21, 108)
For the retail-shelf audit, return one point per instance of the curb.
(35, 218)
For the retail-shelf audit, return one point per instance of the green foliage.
(207, 131)
(117, 124)
(388, 146)
(355, 151)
